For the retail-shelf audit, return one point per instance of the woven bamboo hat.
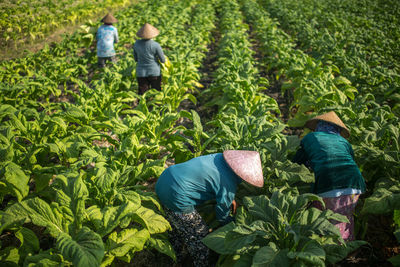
(246, 165)
(148, 31)
(109, 19)
(330, 117)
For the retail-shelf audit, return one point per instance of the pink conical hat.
(246, 165)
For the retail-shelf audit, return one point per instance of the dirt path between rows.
(154, 258)
(274, 90)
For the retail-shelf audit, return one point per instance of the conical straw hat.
(110, 19)
(330, 117)
(148, 31)
(246, 165)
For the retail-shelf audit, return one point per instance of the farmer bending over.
(106, 36)
(337, 178)
(148, 55)
(183, 186)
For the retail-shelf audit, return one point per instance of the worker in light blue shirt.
(106, 37)
(184, 186)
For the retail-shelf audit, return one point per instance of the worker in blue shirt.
(149, 55)
(106, 36)
(183, 186)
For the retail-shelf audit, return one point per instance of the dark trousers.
(101, 61)
(145, 83)
(187, 232)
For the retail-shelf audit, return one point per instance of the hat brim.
(148, 31)
(332, 118)
(147, 36)
(109, 20)
(246, 165)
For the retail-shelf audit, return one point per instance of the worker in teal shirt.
(338, 179)
(184, 186)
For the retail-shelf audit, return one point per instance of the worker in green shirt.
(184, 186)
(338, 179)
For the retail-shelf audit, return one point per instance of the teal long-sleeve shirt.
(332, 159)
(183, 186)
(148, 54)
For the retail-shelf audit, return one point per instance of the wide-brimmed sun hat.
(330, 117)
(246, 165)
(110, 19)
(148, 31)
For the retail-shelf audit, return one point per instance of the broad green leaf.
(9, 257)
(239, 238)
(14, 180)
(105, 177)
(107, 219)
(257, 207)
(336, 253)
(385, 199)
(151, 199)
(154, 222)
(241, 261)
(196, 121)
(163, 246)
(44, 259)
(242, 216)
(128, 240)
(83, 250)
(311, 253)
(267, 256)
(395, 260)
(397, 235)
(75, 114)
(42, 214)
(29, 241)
(72, 192)
(216, 240)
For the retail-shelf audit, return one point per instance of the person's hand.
(233, 206)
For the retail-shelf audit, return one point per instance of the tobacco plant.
(280, 230)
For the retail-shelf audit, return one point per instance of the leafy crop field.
(29, 20)
(80, 150)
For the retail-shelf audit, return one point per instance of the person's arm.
(301, 156)
(223, 207)
(116, 39)
(222, 214)
(135, 56)
(96, 38)
(160, 53)
(351, 152)
(234, 207)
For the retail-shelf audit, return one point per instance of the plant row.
(73, 173)
(360, 38)
(35, 19)
(375, 133)
(273, 225)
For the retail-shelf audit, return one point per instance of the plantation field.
(81, 150)
(23, 21)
